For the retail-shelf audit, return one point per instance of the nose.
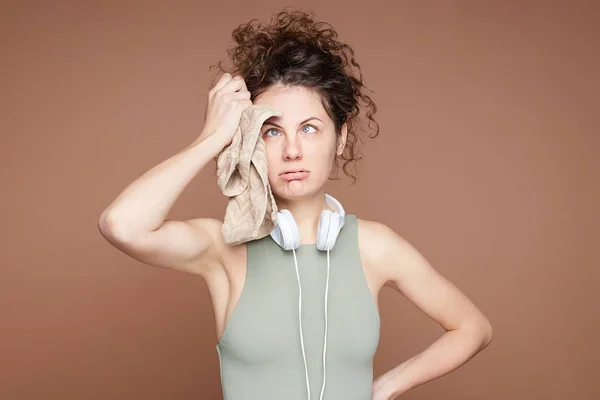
(291, 149)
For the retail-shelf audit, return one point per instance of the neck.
(306, 212)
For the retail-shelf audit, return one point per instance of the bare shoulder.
(384, 251)
(379, 238)
(373, 238)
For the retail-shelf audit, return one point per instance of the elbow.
(486, 333)
(110, 228)
(480, 332)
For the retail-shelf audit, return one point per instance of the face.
(301, 145)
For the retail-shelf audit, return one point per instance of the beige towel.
(242, 176)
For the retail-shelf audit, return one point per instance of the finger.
(244, 87)
(223, 80)
(242, 95)
(235, 85)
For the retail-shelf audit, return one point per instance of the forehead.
(294, 101)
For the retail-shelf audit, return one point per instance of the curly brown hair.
(294, 50)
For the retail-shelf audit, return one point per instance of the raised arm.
(135, 221)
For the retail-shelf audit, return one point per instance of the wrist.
(213, 135)
(214, 143)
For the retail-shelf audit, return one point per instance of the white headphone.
(286, 232)
(287, 236)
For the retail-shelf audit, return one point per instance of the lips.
(293, 171)
(294, 174)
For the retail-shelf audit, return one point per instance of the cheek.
(326, 153)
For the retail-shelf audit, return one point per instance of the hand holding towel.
(242, 176)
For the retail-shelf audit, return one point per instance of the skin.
(135, 223)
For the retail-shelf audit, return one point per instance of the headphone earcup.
(328, 230)
(286, 232)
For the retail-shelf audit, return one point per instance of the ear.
(341, 142)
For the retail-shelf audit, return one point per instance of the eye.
(308, 126)
(270, 130)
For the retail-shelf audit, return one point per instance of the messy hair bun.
(294, 50)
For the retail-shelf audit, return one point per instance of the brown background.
(487, 162)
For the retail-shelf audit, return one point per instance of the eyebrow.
(280, 127)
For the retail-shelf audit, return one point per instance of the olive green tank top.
(259, 352)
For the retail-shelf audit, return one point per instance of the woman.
(302, 323)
